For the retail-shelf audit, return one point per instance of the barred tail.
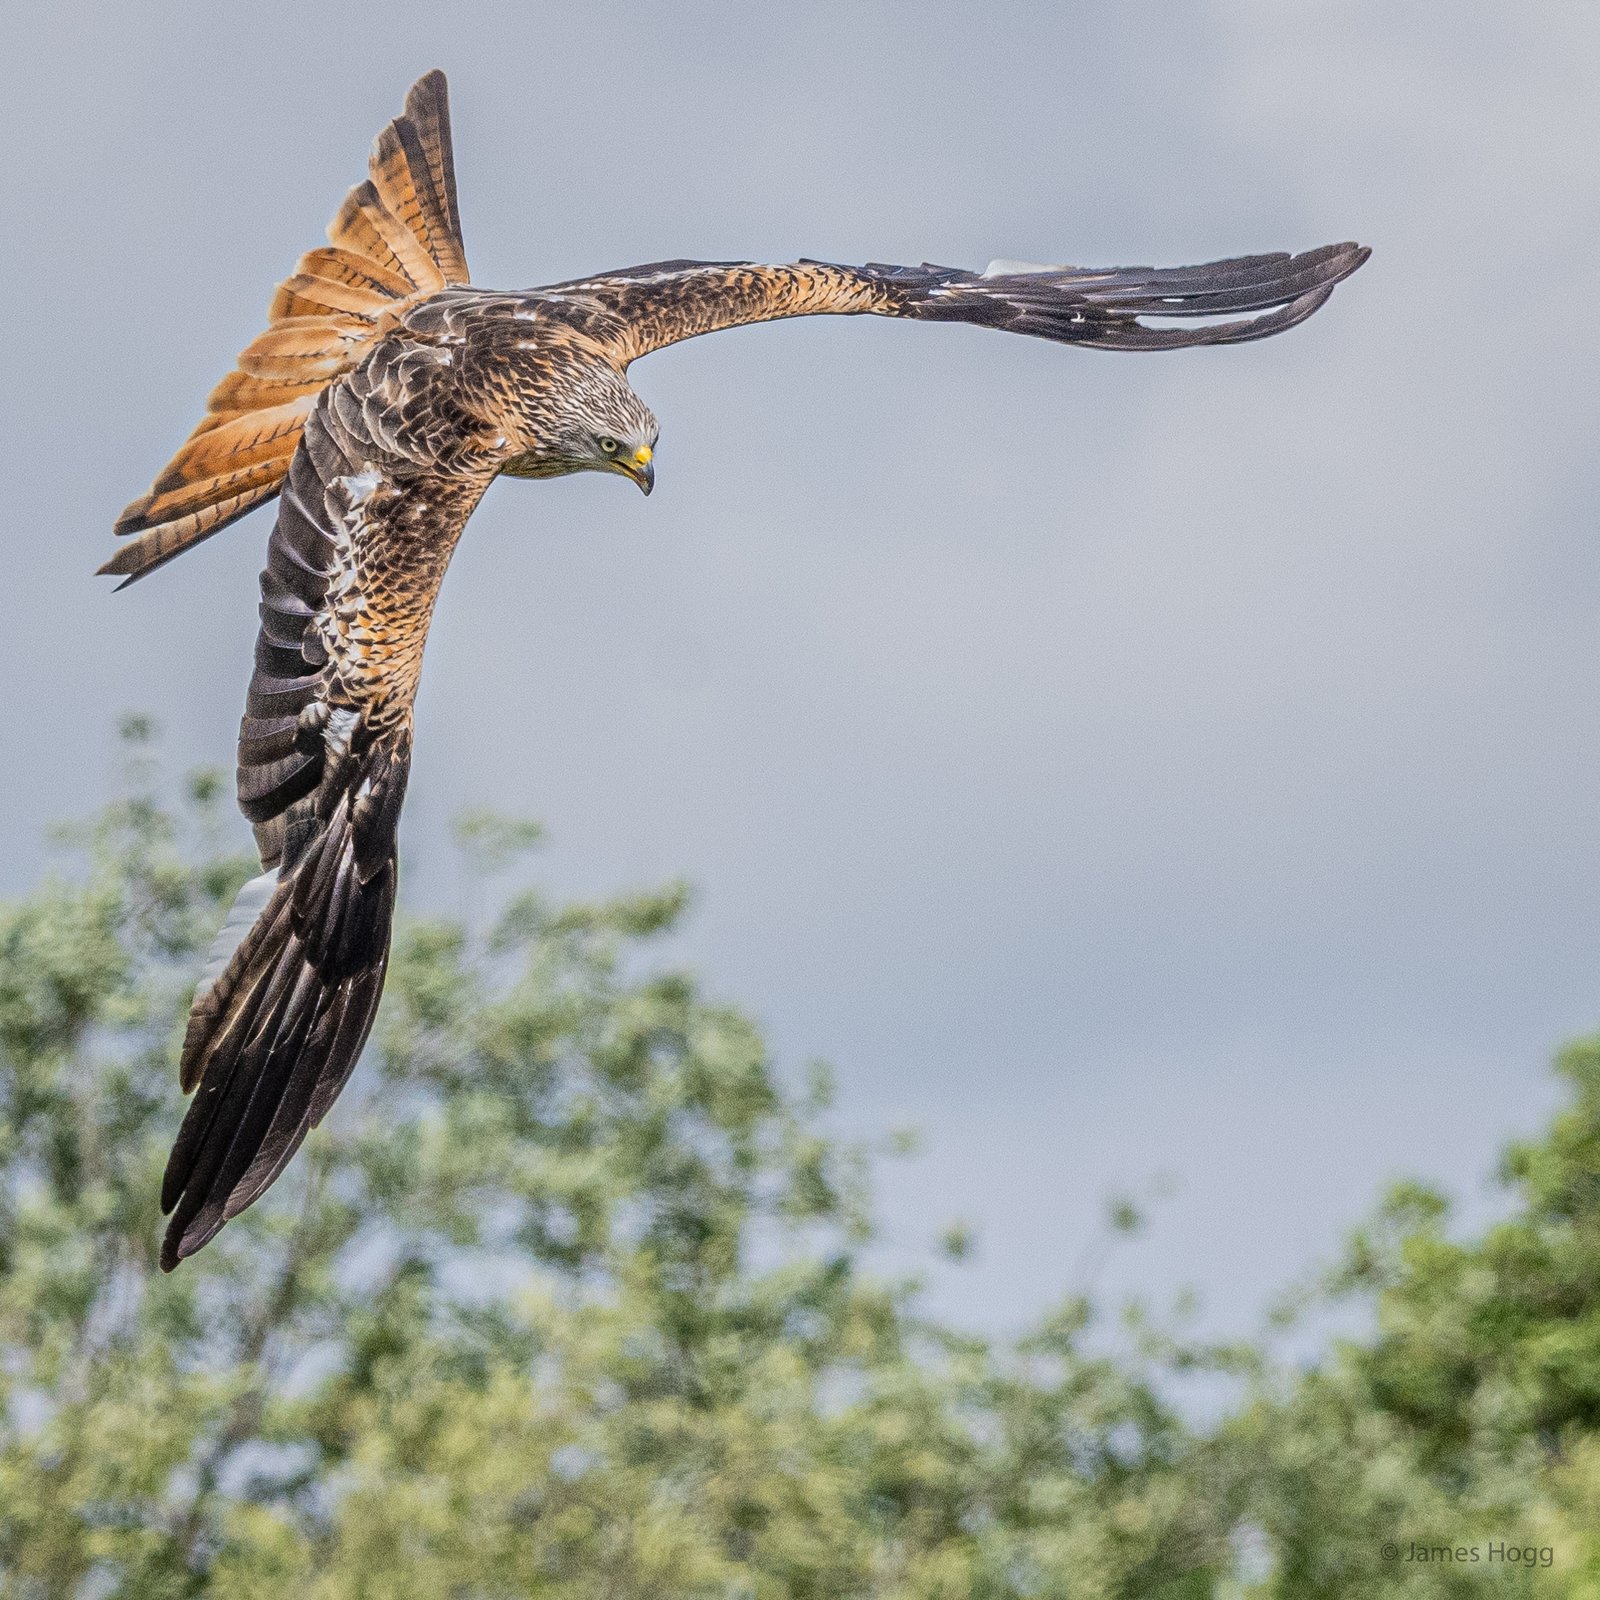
(396, 240)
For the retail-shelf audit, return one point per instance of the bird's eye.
(608, 447)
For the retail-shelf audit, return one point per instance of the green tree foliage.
(569, 1299)
(1470, 1417)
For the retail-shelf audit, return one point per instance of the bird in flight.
(384, 398)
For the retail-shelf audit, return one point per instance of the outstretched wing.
(364, 532)
(664, 302)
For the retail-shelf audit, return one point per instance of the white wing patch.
(250, 902)
(341, 725)
(359, 487)
(1013, 269)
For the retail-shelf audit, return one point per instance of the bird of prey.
(386, 395)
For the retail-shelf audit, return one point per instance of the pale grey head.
(589, 421)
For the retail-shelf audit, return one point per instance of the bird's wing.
(395, 241)
(1254, 296)
(368, 519)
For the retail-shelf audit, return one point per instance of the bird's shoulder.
(478, 319)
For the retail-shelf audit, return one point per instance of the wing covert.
(667, 301)
(355, 560)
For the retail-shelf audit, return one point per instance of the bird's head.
(591, 421)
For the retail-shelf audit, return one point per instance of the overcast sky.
(1115, 764)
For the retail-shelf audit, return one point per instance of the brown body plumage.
(384, 397)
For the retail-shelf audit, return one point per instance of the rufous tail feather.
(395, 241)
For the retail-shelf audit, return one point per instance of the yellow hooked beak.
(640, 466)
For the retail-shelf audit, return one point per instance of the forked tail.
(395, 241)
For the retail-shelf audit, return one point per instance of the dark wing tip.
(176, 1247)
(1338, 260)
(1231, 301)
(274, 1037)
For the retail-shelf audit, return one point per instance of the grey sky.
(1114, 764)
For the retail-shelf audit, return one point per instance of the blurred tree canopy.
(569, 1299)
